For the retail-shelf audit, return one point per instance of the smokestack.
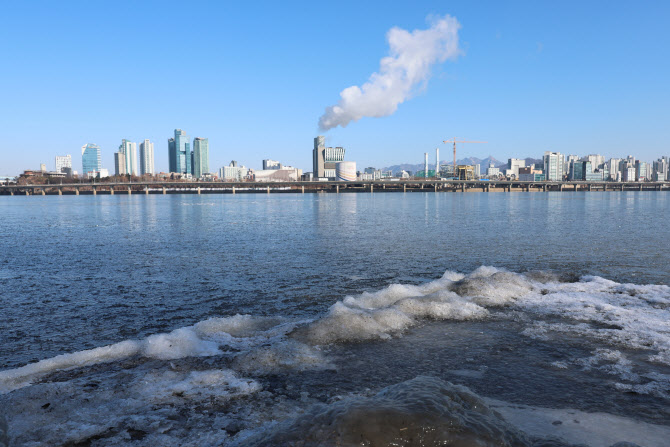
(437, 162)
(425, 165)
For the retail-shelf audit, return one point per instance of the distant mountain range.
(483, 163)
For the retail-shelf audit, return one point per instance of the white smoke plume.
(412, 55)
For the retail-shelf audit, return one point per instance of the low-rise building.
(286, 174)
(513, 165)
(62, 162)
(233, 172)
(492, 171)
(465, 172)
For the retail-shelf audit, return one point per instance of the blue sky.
(571, 76)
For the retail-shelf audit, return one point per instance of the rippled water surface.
(86, 271)
(587, 334)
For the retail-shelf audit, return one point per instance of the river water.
(324, 319)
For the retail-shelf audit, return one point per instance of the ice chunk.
(183, 342)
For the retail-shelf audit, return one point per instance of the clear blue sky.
(574, 76)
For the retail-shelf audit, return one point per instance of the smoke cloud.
(412, 56)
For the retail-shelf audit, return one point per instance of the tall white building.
(63, 161)
(129, 150)
(614, 169)
(146, 157)
(596, 160)
(628, 173)
(554, 166)
(119, 164)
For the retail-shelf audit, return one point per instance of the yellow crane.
(454, 141)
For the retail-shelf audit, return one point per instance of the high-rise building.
(179, 152)
(613, 168)
(129, 150)
(590, 174)
(642, 171)
(63, 162)
(119, 164)
(627, 168)
(576, 172)
(90, 160)
(200, 157)
(628, 173)
(146, 157)
(568, 162)
(660, 169)
(583, 170)
(596, 160)
(554, 166)
(324, 158)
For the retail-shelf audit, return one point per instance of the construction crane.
(454, 141)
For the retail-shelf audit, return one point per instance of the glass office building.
(179, 153)
(554, 166)
(200, 157)
(91, 162)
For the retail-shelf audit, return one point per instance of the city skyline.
(528, 79)
(194, 160)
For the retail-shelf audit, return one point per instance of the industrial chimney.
(425, 165)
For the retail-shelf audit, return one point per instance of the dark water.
(575, 315)
(80, 272)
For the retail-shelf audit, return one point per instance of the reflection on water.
(80, 272)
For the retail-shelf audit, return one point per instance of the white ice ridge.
(629, 315)
(634, 316)
(381, 314)
(626, 315)
(205, 338)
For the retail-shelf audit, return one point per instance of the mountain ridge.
(414, 167)
(482, 162)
